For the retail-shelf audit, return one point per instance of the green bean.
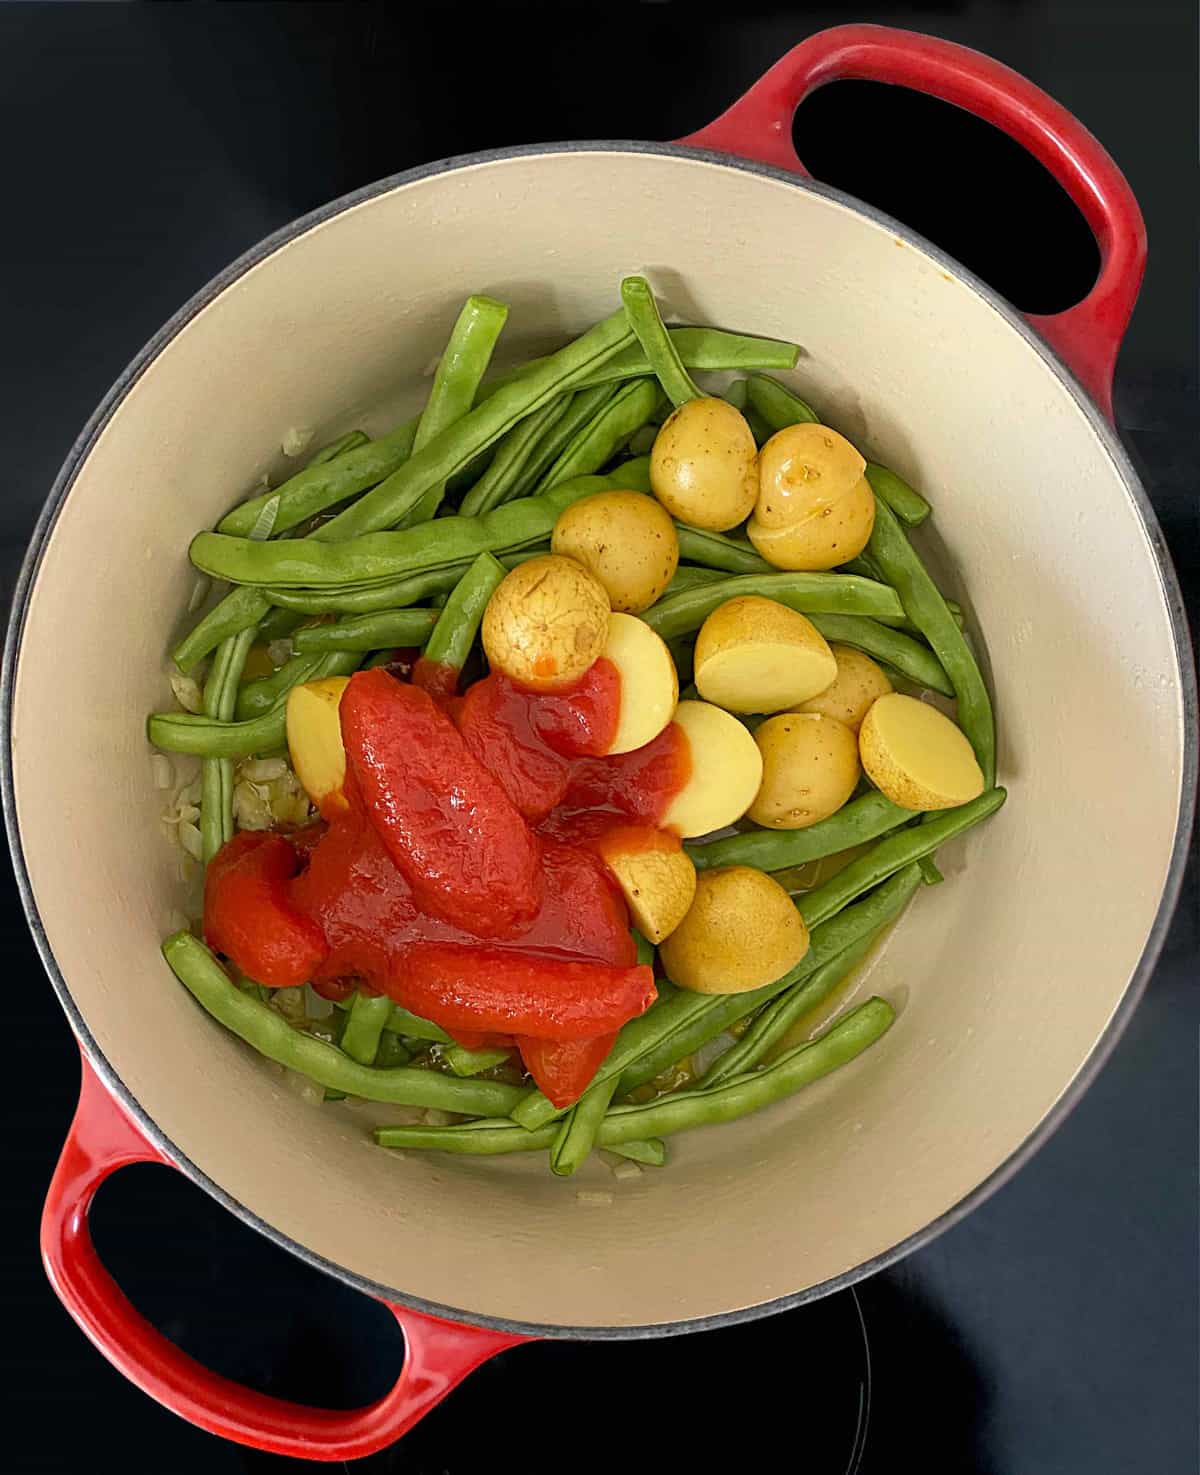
(258, 697)
(278, 625)
(661, 353)
(925, 607)
(483, 426)
(583, 408)
(679, 614)
(319, 487)
(698, 348)
(645, 949)
(577, 1134)
(464, 1062)
(402, 1022)
(392, 1051)
(680, 1111)
(719, 550)
(651, 1150)
(461, 367)
(181, 732)
(893, 853)
(396, 627)
(604, 435)
(498, 483)
(778, 406)
(906, 655)
(686, 578)
(348, 442)
(241, 609)
(905, 501)
(458, 624)
(863, 819)
(679, 1022)
(772, 1023)
(216, 776)
(381, 557)
(737, 394)
(630, 476)
(364, 1026)
(271, 1035)
(929, 871)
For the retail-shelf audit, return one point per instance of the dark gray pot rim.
(1137, 983)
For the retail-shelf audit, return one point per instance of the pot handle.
(759, 127)
(438, 1354)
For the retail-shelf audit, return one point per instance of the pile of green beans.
(400, 541)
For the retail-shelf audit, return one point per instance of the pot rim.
(1172, 598)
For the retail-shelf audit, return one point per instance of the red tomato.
(582, 721)
(563, 1070)
(496, 724)
(249, 916)
(490, 988)
(448, 825)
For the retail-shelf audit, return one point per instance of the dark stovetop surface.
(1055, 1329)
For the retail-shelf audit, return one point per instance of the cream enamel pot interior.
(1011, 982)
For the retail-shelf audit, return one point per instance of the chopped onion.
(189, 838)
(280, 651)
(593, 1196)
(435, 1117)
(187, 693)
(304, 1087)
(262, 770)
(296, 440)
(164, 774)
(626, 1169)
(710, 1051)
(314, 1005)
(199, 593)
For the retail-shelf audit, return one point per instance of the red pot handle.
(759, 126)
(438, 1355)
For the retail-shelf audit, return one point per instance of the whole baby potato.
(704, 465)
(831, 535)
(757, 655)
(626, 539)
(810, 769)
(740, 932)
(546, 623)
(858, 683)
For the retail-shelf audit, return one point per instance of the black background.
(143, 147)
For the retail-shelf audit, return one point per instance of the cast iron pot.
(1013, 983)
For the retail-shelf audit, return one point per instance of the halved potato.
(917, 756)
(649, 685)
(314, 738)
(546, 623)
(757, 655)
(704, 465)
(725, 775)
(626, 539)
(802, 470)
(741, 931)
(826, 538)
(656, 876)
(858, 683)
(810, 769)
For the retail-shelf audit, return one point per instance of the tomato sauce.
(464, 876)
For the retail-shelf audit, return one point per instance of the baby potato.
(704, 465)
(858, 683)
(757, 655)
(726, 770)
(657, 878)
(314, 738)
(802, 471)
(916, 756)
(810, 769)
(741, 932)
(626, 539)
(828, 537)
(546, 623)
(649, 684)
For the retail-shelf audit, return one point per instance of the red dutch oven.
(1012, 984)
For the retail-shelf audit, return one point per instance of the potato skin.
(810, 769)
(802, 470)
(626, 540)
(916, 756)
(704, 465)
(655, 874)
(757, 655)
(741, 931)
(828, 537)
(546, 623)
(858, 683)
